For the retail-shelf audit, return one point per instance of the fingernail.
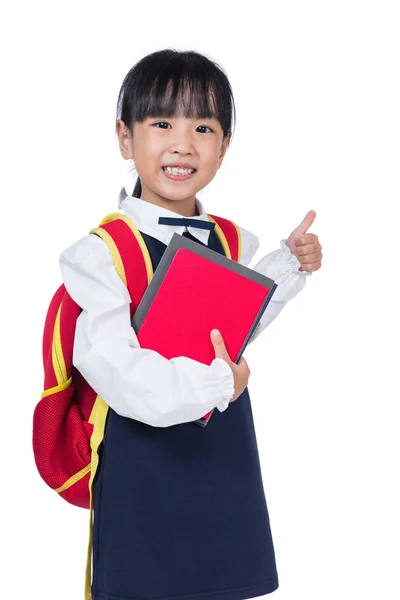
(215, 333)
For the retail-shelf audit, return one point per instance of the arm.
(280, 265)
(135, 382)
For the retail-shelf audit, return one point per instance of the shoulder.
(87, 259)
(89, 274)
(84, 249)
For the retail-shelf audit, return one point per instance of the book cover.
(194, 290)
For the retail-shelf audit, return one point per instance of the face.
(159, 142)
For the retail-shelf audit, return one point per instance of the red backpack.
(69, 419)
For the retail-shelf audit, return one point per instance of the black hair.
(157, 84)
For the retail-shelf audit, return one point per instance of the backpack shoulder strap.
(133, 264)
(129, 253)
(58, 336)
(229, 235)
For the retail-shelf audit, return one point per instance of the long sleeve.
(280, 265)
(135, 382)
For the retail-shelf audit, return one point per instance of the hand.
(241, 371)
(305, 246)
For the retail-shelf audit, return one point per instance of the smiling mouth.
(178, 174)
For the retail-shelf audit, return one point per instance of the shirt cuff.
(224, 381)
(291, 260)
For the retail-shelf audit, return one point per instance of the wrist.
(224, 383)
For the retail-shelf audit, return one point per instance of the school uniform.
(179, 510)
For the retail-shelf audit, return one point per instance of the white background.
(317, 94)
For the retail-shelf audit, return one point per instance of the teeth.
(177, 171)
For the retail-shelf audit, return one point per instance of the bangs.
(170, 83)
(185, 98)
(189, 98)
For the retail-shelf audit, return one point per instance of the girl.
(179, 511)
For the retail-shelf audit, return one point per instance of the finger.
(219, 344)
(306, 238)
(307, 221)
(243, 365)
(310, 258)
(307, 249)
(311, 266)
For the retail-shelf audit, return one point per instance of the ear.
(124, 138)
(224, 148)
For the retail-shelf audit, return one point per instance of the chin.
(177, 195)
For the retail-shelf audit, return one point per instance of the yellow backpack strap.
(122, 246)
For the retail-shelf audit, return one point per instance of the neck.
(186, 207)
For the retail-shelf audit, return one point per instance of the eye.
(161, 123)
(165, 125)
(205, 127)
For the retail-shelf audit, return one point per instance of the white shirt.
(136, 382)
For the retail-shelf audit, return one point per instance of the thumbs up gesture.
(305, 246)
(241, 371)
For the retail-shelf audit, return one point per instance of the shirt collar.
(145, 216)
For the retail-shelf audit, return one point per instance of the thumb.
(219, 344)
(306, 222)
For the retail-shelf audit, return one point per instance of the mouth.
(178, 174)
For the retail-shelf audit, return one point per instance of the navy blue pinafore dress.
(180, 512)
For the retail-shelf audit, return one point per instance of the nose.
(181, 142)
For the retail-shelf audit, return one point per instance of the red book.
(194, 290)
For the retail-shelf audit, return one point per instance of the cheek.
(211, 154)
(148, 156)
